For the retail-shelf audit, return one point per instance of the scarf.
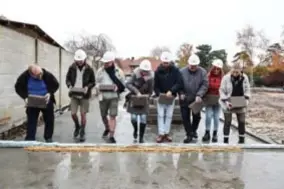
(111, 72)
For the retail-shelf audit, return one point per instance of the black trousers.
(241, 118)
(189, 126)
(32, 120)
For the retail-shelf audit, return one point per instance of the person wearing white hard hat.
(38, 81)
(234, 84)
(167, 80)
(140, 83)
(212, 109)
(195, 86)
(109, 75)
(80, 75)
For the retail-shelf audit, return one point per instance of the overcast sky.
(136, 26)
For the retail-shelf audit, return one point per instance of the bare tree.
(157, 51)
(94, 45)
(183, 53)
(253, 42)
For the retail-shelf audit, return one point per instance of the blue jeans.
(212, 112)
(165, 115)
(143, 118)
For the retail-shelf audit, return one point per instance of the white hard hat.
(108, 57)
(80, 55)
(166, 57)
(193, 60)
(145, 65)
(218, 63)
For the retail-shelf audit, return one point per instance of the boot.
(206, 137)
(141, 132)
(226, 140)
(112, 140)
(241, 140)
(135, 129)
(82, 134)
(215, 136)
(188, 139)
(106, 131)
(76, 131)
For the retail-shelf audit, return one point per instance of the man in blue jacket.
(38, 81)
(167, 80)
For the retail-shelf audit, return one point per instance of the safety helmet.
(145, 65)
(218, 63)
(108, 57)
(193, 60)
(166, 57)
(80, 55)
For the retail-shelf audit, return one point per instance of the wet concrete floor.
(39, 170)
(49, 170)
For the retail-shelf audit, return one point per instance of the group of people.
(190, 84)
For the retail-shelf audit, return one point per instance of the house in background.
(129, 64)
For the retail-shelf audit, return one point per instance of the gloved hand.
(47, 98)
(198, 99)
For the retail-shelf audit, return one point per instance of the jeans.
(212, 112)
(190, 127)
(143, 118)
(32, 120)
(165, 115)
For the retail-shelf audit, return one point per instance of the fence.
(17, 52)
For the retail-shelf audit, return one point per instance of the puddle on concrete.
(247, 170)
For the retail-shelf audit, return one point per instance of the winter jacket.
(52, 85)
(88, 78)
(227, 88)
(194, 83)
(167, 79)
(214, 84)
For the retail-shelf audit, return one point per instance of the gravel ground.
(265, 115)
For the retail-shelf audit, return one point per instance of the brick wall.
(17, 51)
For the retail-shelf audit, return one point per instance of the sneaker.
(112, 140)
(188, 139)
(105, 133)
(167, 138)
(160, 139)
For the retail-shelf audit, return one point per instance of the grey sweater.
(194, 83)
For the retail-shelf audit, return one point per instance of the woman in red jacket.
(213, 111)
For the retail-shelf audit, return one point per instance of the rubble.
(265, 115)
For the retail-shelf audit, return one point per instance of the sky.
(137, 26)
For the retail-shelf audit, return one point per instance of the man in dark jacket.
(167, 80)
(195, 86)
(80, 75)
(40, 82)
